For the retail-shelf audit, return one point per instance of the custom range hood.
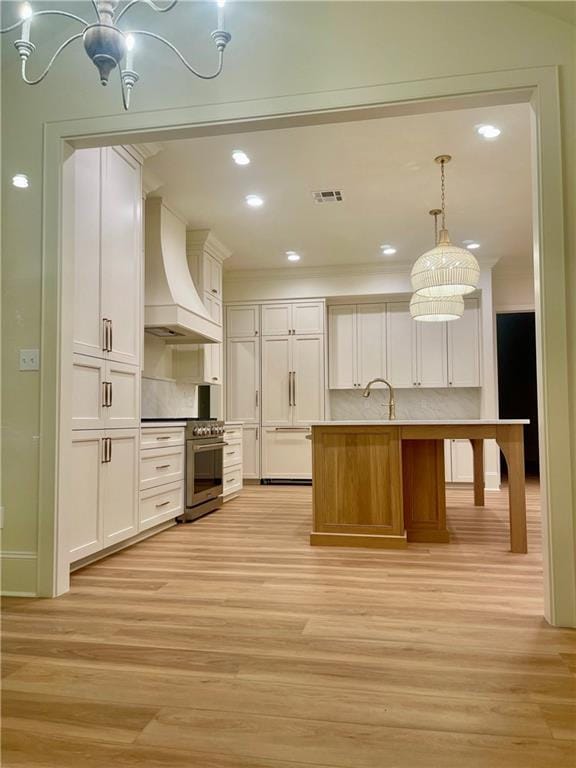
(173, 309)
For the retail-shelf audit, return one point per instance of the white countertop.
(161, 423)
(418, 422)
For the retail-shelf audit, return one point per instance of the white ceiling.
(389, 181)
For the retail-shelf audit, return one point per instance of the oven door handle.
(209, 447)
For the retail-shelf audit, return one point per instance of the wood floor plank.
(231, 643)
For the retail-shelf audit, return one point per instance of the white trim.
(14, 554)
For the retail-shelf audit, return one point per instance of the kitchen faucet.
(391, 404)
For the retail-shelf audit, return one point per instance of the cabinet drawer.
(160, 504)
(232, 480)
(232, 454)
(233, 433)
(159, 466)
(161, 437)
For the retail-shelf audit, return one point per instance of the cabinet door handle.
(109, 394)
(289, 387)
(257, 398)
(110, 347)
(214, 290)
(106, 450)
(104, 394)
(104, 335)
(109, 449)
(293, 387)
(163, 466)
(162, 504)
(257, 431)
(164, 437)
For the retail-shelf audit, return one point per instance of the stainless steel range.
(204, 464)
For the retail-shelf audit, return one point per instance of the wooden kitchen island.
(382, 483)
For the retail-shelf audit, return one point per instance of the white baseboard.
(19, 573)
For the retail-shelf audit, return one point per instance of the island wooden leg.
(478, 452)
(510, 438)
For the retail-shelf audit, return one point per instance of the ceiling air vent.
(328, 196)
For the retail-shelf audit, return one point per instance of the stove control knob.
(195, 431)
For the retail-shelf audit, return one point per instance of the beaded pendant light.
(446, 270)
(440, 308)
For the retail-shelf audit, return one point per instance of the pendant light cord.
(443, 188)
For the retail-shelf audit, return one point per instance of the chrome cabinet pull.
(257, 431)
(290, 388)
(257, 399)
(106, 450)
(293, 387)
(109, 449)
(110, 347)
(104, 334)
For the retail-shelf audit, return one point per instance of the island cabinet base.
(424, 491)
(357, 490)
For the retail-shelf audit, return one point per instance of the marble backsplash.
(166, 398)
(460, 403)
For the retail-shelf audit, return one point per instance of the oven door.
(204, 460)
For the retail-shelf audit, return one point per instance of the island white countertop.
(417, 422)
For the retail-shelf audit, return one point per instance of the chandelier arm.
(125, 93)
(64, 45)
(95, 6)
(44, 13)
(181, 57)
(151, 3)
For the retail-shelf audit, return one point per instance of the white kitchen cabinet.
(159, 466)
(342, 337)
(292, 380)
(286, 453)
(459, 460)
(242, 322)
(160, 505)
(251, 452)
(289, 319)
(107, 312)
(277, 380)
(81, 515)
(307, 379)
(243, 380)
(105, 394)
(431, 367)
(401, 334)
(233, 460)
(205, 255)
(120, 486)
(357, 344)
(162, 467)
(87, 328)
(464, 347)
(201, 363)
(417, 351)
(101, 497)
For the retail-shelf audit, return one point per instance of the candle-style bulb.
(26, 15)
(130, 42)
(221, 4)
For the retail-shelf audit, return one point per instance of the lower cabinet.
(101, 506)
(251, 452)
(162, 467)
(233, 460)
(286, 453)
(459, 461)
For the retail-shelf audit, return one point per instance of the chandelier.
(440, 308)
(107, 44)
(446, 270)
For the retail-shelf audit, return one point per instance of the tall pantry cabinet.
(275, 383)
(100, 473)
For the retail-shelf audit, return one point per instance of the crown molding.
(340, 270)
(203, 240)
(147, 150)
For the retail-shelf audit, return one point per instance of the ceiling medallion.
(107, 45)
(447, 269)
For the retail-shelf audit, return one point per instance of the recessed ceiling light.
(388, 250)
(20, 181)
(488, 131)
(240, 157)
(254, 201)
(471, 244)
(293, 256)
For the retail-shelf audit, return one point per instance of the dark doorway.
(517, 389)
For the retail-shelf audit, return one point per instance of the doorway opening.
(517, 380)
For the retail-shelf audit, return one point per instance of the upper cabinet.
(205, 257)
(464, 347)
(107, 320)
(290, 319)
(242, 322)
(368, 341)
(357, 335)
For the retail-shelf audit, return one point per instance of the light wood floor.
(231, 643)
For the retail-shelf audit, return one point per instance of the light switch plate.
(29, 359)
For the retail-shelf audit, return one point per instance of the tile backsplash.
(453, 403)
(166, 398)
